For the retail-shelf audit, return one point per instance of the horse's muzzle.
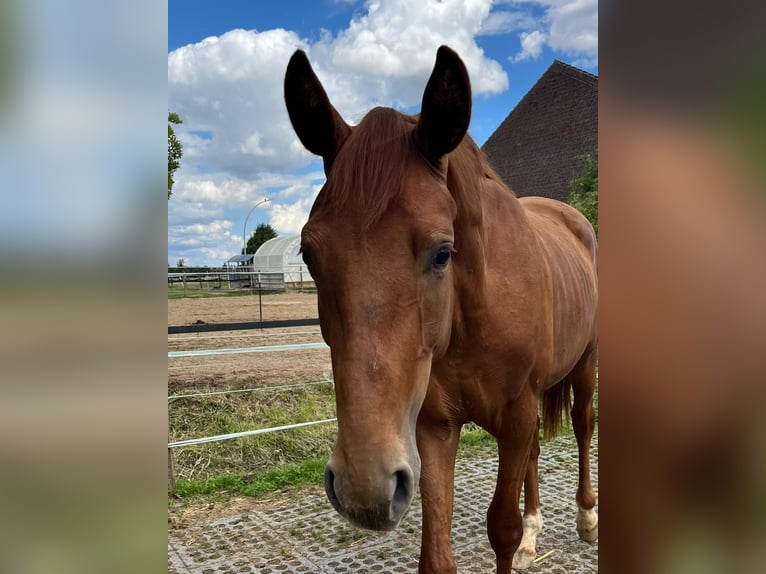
(381, 505)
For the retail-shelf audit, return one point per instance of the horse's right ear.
(317, 123)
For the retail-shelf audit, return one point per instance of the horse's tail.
(556, 403)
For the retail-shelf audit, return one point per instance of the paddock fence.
(171, 445)
(237, 280)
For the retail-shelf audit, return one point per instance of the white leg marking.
(525, 554)
(587, 524)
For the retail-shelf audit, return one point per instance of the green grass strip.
(255, 485)
(294, 475)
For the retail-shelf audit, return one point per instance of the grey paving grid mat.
(309, 536)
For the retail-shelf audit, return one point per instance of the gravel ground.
(298, 531)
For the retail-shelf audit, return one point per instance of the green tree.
(261, 235)
(175, 150)
(583, 194)
(180, 262)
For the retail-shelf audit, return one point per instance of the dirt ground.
(251, 368)
(243, 308)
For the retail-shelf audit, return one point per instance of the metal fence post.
(260, 303)
(171, 473)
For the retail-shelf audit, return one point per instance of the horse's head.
(379, 243)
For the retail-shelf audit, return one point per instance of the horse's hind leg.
(533, 519)
(583, 380)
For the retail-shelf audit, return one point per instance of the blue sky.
(226, 63)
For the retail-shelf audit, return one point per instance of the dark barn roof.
(536, 149)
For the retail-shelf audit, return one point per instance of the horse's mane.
(367, 173)
(466, 171)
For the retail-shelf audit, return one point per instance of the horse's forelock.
(369, 170)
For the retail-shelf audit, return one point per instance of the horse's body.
(445, 300)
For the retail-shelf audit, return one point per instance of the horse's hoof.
(587, 525)
(589, 535)
(523, 559)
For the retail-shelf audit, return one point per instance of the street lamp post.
(244, 252)
(244, 227)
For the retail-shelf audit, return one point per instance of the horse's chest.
(477, 388)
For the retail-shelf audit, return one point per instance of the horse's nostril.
(329, 488)
(403, 492)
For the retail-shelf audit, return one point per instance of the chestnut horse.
(444, 299)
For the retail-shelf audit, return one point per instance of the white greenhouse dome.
(282, 255)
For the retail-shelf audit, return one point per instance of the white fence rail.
(266, 279)
(241, 350)
(231, 436)
(326, 381)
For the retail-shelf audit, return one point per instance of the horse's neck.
(470, 276)
(475, 227)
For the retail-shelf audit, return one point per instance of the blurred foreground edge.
(682, 280)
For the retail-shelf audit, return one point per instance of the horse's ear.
(446, 110)
(317, 123)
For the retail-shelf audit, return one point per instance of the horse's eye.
(306, 257)
(442, 258)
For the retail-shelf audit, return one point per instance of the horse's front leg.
(437, 444)
(515, 442)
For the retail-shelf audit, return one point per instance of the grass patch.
(222, 473)
(221, 414)
(258, 465)
(257, 484)
(473, 442)
(474, 436)
(195, 290)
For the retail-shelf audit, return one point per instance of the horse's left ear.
(446, 110)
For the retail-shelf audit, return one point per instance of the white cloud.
(505, 22)
(216, 191)
(290, 218)
(239, 146)
(387, 53)
(574, 28)
(203, 243)
(231, 85)
(180, 212)
(213, 227)
(569, 27)
(236, 133)
(206, 214)
(531, 45)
